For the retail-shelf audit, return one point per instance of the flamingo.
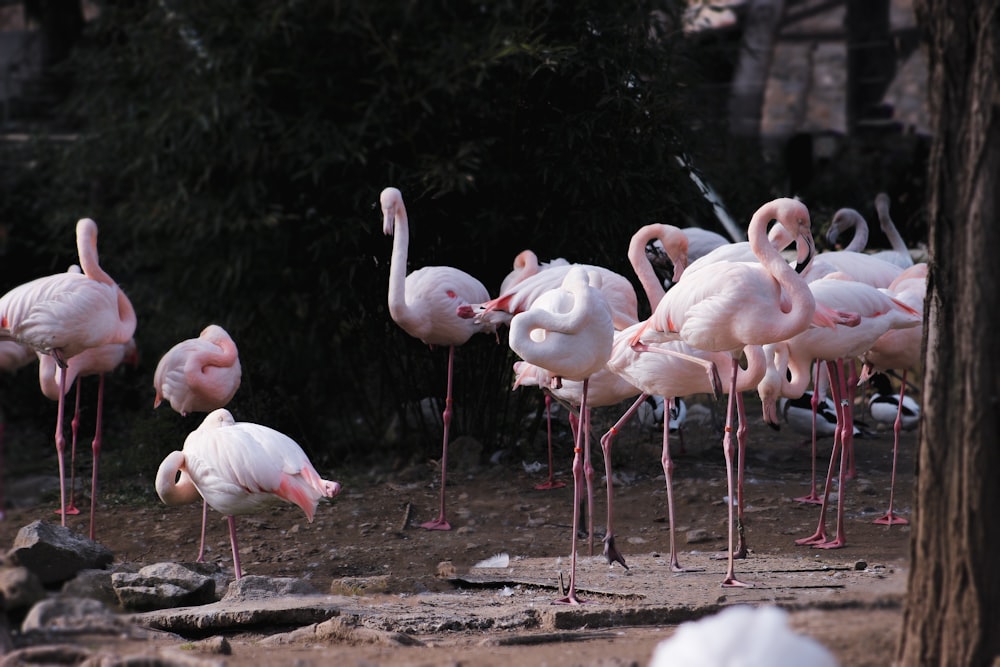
(673, 368)
(92, 361)
(64, 314)
(199, 375)
(846, 218)
(700, 242)
(13, 356)
(899, 349)
(736, 304)
(526, 264)
(240, 468)
(425, 304)
(568, 332)
(877, 312)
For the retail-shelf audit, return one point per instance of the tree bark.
(953, 600)
(746, 97)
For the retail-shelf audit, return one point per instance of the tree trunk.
(746, 97)
(953, 600)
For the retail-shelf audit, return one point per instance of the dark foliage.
(232, 153)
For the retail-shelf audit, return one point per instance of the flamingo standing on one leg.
(568, 332)
(199, 375)
(900, 349)
(64, 314)
(240, 468)
(425, 305)
(735, 304)
(92, 361)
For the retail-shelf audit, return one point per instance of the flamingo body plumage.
(199, 374)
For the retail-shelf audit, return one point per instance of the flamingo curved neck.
(859, 241)
(171, 489)
(676, 248)
(398, 308)
(799, 297)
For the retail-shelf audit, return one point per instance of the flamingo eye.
(451, 294)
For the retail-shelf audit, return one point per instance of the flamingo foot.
(675, 566)
(611, 551)
(550, 484)
(70, 510)
(438, 524)
(812, 499)
(732, 582)
(819, 537)
(892, 519)
(838, 543)
(570, 599)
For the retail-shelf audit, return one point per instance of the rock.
(162, 586)
(66, 613)
(20, 588)
(255, 587)
(55, 553)
(94, 584)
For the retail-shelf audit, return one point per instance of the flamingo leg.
(441, 523)
(61, 447)
(236, 549)
(551, 483)
(851, 392)
(588, 472)
(610, 550)
(668, 475)
(571, 597)
(814, 403)
(74, 427)
(204, 523)
(730, 579)
(741, 439)
(890, 518)
(96, 449)
(845, 424)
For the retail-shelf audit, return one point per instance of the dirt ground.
(371, 533)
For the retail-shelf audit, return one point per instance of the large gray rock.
(162, 586)
(20, 588)
(55, 553)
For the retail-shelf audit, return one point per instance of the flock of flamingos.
(734, 317)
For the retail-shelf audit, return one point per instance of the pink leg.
(204, 523)
(441, 523)
(96, 448)
(236, 550)
(727, 450)
(812, 497)
(588, 473)
(890, 518)
(741, 439)
(668, 474)
(550, 483)
(571, 597)
(851, 392)
(61, 444)
(819, 537)
(846, 427)
(74, 427)
(610, 551)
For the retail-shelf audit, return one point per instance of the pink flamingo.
(240, 468)
(674, 368)
(425, 304)
(13, 356)
(876, 312)
(568, 332)
(847, 218)
(526, 264)
(899, 349)
(736, 304)
(92, 361)
(199, 375)
(64, 314)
